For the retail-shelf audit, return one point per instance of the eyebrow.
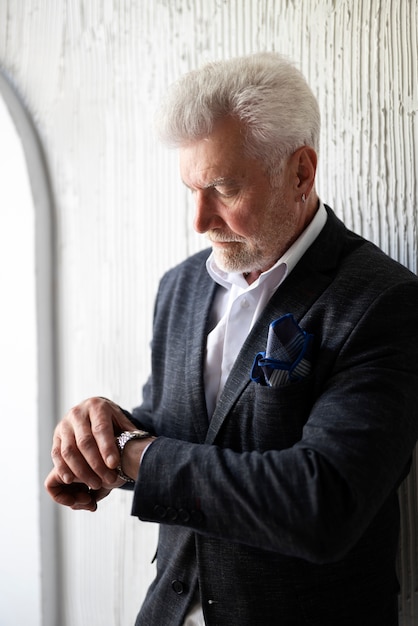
(218, 181)
(221, 180)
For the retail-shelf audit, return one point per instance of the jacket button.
(177, 586)
(160, 511)
(184, 516)
(171, 514)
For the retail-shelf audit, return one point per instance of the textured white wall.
(92, 73)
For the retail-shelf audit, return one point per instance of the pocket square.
(288, 354)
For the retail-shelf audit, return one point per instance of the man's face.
(249, 223)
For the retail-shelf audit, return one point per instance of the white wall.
(27, 394)
(18, 351)
(91, 73)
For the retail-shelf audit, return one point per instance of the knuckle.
(56, 453)
(67, 452)
(97, 403)
(76, 414)
(100, 426)
(86, 442)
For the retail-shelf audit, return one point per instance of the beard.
(263, 249)
(239, 257)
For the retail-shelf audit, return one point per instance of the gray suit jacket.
(283, 509)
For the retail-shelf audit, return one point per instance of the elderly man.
(281, 411)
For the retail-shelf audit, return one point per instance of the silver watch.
(121, 442)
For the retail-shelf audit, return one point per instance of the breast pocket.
(280, 413)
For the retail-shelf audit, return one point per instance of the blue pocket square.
(288, 354)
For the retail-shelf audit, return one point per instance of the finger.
(100, 494)
(61, 467)
(95, 496)
(85, 428)
(76, 496)
(81, 504)
(107, 420)
(69, 461)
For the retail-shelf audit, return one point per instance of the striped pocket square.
(288, 354)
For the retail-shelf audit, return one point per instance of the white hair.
(264, 91)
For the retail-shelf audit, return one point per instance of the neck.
(250, 277)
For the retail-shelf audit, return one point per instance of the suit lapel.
(296, 295)
(204, 288)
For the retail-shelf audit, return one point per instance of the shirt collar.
(283, 266)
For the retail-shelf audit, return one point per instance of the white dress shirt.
(235, 310)
(238, 305)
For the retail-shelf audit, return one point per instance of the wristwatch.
(121, 442)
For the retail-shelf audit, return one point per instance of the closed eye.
(221, 187)
(225, 191)
(224, 187)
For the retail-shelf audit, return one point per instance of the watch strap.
(121, 441)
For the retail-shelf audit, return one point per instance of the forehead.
(218, 155)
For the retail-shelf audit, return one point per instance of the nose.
(206, 216)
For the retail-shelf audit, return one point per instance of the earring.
(303, 198)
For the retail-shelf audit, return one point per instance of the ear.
(304, 161)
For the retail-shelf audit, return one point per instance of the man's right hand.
(75, 495)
